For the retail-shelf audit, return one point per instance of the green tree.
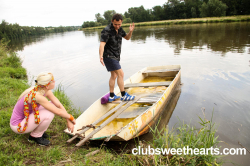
(127, 20)
(192, 8)
(233, 6)
(158, 13)
(108, 15)
(85, 24)
(98, 17)
(244, 7)
(175, 9)
(214, 8)
(139, 14)
(237, 7)
(92, 24)
(193, 11)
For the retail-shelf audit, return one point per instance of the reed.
(183, 136)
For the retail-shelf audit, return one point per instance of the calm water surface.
(215, 61)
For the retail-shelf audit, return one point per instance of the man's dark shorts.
(111, 64)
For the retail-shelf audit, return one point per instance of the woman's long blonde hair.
(42, 79)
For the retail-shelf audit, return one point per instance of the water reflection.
(19, 44)
(226, 37)
(91, 33)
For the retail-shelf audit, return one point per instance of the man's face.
(117, 24)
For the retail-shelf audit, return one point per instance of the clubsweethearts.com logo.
(187, 151)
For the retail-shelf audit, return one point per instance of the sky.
(64, 12)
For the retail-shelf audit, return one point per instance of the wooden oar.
(97, 121)
(108, 121)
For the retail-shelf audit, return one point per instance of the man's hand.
(101, 60)
(132, 27)
(101, 50)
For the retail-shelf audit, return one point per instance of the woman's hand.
(74, 122)
(70, 125)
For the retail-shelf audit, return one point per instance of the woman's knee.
(51, 115)
(46, 113)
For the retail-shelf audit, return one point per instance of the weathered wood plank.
(108, 121)
(98, 121)
(161, 73)
(166, 83)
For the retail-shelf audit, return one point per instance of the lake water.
(215, 62)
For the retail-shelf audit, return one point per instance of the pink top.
(18, 114)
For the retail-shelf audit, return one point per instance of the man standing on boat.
(110, 50)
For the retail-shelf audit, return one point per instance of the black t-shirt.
(113, 41)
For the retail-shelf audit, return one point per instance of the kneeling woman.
(34, 113)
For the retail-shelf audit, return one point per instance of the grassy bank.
(186, 21)
(16, 150)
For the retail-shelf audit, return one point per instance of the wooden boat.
(122, 121)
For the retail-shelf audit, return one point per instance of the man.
(110, 50)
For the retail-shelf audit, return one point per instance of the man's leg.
(120, 80)
(112, 81)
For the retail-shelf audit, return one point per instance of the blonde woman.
(33, 112)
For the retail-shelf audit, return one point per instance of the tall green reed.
(187, 136)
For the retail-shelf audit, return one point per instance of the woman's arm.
(51, 107)
(54, 100)
(57, 103)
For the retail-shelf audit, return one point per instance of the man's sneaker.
(45, 135)
(127, 97)
(40, 140)
(113, 98)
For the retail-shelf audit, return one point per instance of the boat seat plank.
(159, 71)
(166, 83)
(108, 121)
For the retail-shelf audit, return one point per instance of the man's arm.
(101, 50)
(131, 29)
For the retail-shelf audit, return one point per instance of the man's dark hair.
(117, 17)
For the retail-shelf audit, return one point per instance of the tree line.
(103, 20)
(15, 31)
(176, 9)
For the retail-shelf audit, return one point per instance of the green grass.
(16, 150)
(185, 21)
(13, 77)
(13, 72)
(10, 90)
